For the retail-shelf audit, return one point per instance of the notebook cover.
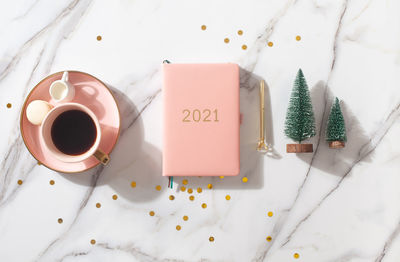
(201, 120)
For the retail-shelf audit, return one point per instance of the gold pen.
(261, 142)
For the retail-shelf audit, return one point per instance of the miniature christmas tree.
(300, 122)
(336, 128)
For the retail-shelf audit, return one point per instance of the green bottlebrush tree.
(300, 122)
(336, 129)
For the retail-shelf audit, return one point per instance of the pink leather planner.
(201, 120)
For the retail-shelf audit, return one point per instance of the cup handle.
(64, 77)
(102, 157)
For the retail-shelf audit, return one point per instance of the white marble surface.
(333, 205)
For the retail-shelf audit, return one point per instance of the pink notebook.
(201, 120)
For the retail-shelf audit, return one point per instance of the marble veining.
(331, 205)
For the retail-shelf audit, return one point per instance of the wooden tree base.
(336, 144)
(299, 148)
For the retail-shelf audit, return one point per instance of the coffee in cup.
(71, 132)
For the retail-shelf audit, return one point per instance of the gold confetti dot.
(151, 213)
(298, 38)
(240, 32)
(133, 184)
(296, 255)
(183, 188)
(222, 177)
(171, 197)
(39, 164)
(98, 205)
(99, 38)
(204, 205)
(158, 188)
(270, 44)
(226, 40)
(228, 197)
(244, 47)
(245, 179)
(184, 181)
(185, 218)
(178, 227)
(269, 238)
(51, 182)
(199, 190)
(209, 186)
(115, 197)
(270, 214)
(191, 198)
(60, 220)
(20, 182)
(211, 239)
(203, 27)
(8, 105)
(190, 190)
(92, 241)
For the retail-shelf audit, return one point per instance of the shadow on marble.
(251, 161)
(132, 159)
(335, 161)
(250, 82)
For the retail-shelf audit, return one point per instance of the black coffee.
(73, 132)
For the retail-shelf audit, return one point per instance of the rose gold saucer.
(90, 92)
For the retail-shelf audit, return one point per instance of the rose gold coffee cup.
(71, 132)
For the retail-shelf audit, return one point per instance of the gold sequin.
(204, 205)
(185, 218)
(98, 205)
(199, 190)
(228, 197)
(60, 220)
(8, 105)
(151, 213)
(183, 188)
(245, 179)
(222, 177)
(203, 27)
(190, 190)
(240, 32)
(270, 214)
(39, 164)
(184, 181)
(270, 44)
(115, 197)
(296, 255)
(191, 198)
(51, 182)
(178, 227)
(209, 186)
(92, 241)
(133, 184)
(269, 238)
(158, 188)
(20, 182)
(226, 40)
(244, 47)
(171, 197)
(99, 38)
(211, 239)
(298, 38)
